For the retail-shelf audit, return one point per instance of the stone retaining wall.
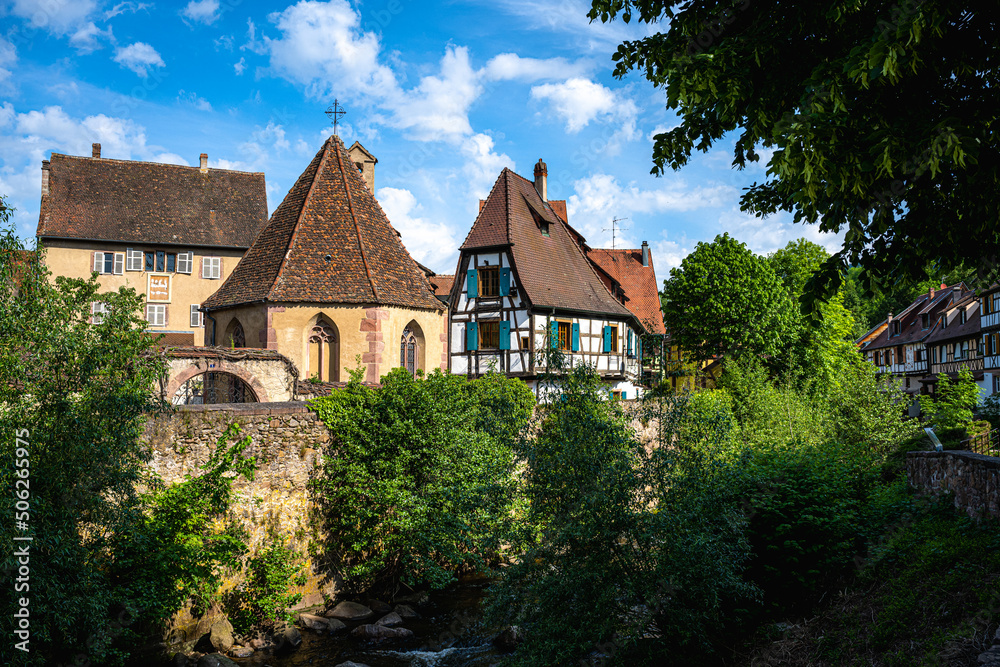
(287, 441)
(974, 479)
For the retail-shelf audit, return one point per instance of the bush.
(952, 409)
(416, 482)
(263, 597)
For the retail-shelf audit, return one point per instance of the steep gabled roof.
(553, 270)
(149, 202)
(971, 326)
(328, 242)
(911, 319)
(637, 281)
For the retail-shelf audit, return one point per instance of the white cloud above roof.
(138, 57)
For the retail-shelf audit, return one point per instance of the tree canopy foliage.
(879, 117)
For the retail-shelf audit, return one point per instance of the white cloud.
(59, 17)
(432, 243)
(668, 254)
(192, 98)
(579, 101)
(86, 38)
(240, 66)
(8, 56)
(253, 44)
(600, 197)
(123, 7)
(482, 164)
(569, 18)
(170, 158)
(202, 11)
(765, 235)
(510, 66)
(138, 57)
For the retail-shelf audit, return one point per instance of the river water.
(447, 634)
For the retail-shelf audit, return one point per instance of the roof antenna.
(614, 229)
(335, 111)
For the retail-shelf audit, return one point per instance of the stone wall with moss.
(972, 479)
(286, 439)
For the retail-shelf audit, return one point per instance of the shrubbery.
(417, 481)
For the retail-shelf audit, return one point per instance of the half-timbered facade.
(954, 343)
(524, 282)
(989, 332)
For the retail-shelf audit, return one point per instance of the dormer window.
(944, 321)
(925, 320)
(895, 328)
(544, 227)
(961, 315)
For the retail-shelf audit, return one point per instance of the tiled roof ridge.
(483, 208)
(506, 214)
(295, 226)
(159, 164)
(339, 146)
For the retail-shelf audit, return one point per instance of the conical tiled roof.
(328, 242)
(553, 270)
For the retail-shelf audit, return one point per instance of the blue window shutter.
(576, 337)
(638, 344)
(504, 281)
(607, 339)
(504, 334)
(624, 395)
(472, 283)
(472, 336)
(628, 338)
(553, 334)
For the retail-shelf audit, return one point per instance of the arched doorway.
(214, 387)
(235, 336)
(411, 348)
(324, 352)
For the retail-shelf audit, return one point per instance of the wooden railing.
(987, 443)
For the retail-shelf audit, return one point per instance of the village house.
(989, 325)
(954, 343)
(328, 283)
(525, 281)
(173, 233)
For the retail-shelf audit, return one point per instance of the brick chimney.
(204, 163)
(930, 293)
(45, 178)
(645, 254)
(541, 180)
(95, 150)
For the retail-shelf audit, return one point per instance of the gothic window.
(323, 353)
(239, 338)
(408, 352)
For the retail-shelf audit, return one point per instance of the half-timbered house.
(954, 342)
(989, 326)
(524, 282)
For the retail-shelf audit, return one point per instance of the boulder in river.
(241, 652)
(390, 620)
(380, 632)
(313, 622)
(221, 635)
(350, 611)
(215, 660)
(288, 639)
(378, 606)
(406, 611)
(335, 625)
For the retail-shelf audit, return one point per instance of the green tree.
(417, 477)
(80, 392)
(955, 401)
(877, 115)
(725, 300)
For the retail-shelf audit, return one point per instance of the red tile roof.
(442, 285)
(552, 270)
(638, 282)
(148, 202)
(911, 319)
(328, 242)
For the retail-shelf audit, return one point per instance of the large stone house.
(174, 233)
(328, 283)
(524, 281)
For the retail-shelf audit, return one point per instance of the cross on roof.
(335, 111)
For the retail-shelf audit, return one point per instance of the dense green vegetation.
(874, 116)
(417, 482)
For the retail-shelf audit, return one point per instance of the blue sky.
(444, 93)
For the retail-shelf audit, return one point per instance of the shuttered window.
(185, 262)
(133, 260)
(156, 315)
(472, 283)
(489, 335)
(504, 335)
(97, 312)
(576, 337)
(211, 268)
(197, 317)
(504, 282)
(472, 336)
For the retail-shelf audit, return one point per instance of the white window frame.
(197, 317)
(156, 314)
(117, 263)
(211, 268)
(134, 260)
(98, 310)
(185, 262)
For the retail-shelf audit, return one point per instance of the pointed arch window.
(239, 338)
(323, 353)
(408, 351)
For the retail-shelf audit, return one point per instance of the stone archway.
(217, 366)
